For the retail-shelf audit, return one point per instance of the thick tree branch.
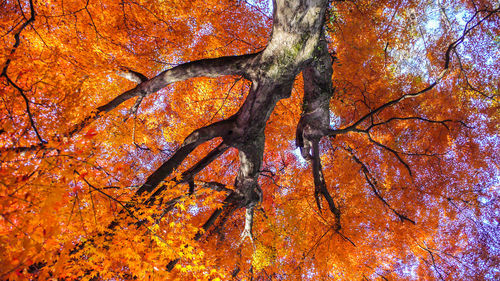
(137, 77)
(320, 186)
(232, 65)
(247, 191)
(217, 186)
(216, 67)
(132, 75)
(188, 175)
(247, 229)
(246, 185)
(196, 138)
(315, 121)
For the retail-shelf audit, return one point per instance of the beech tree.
(249, 140)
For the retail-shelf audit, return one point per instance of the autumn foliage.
(227, 140)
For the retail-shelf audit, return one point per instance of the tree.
(246, 140)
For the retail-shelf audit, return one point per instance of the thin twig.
(372, 183)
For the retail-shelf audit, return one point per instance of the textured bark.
(297, 44)
(190, 143)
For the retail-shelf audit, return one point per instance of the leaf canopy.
(249, 140)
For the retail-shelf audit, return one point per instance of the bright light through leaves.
(249, 140)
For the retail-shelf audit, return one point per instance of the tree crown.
(237, 140)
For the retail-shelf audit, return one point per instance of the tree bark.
(296, 44)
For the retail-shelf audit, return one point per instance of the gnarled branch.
(191, 142)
